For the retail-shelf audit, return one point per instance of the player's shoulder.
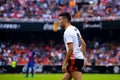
(73, 29)
(70, 28)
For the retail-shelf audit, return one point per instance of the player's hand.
(85, 62)
(64, 68)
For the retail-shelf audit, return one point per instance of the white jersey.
(72, 34)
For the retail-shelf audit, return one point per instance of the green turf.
(59, 77)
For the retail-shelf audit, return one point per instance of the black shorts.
(75, 65)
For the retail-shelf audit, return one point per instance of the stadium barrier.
(57, 69)
(49, 26)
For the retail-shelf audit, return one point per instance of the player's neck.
(67, 25)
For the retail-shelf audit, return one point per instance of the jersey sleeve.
(68, 37)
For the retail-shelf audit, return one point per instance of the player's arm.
(84, 50)
(83, 46)
(68, 55)
(70, 51)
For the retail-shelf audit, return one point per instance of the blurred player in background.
(75, 46)
(30, 55)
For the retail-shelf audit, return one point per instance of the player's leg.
(32, 68)
(32, 72)
(77, 69)
(67, 76)
(27, 71)
(77, 75)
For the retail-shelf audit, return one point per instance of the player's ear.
(65, 20)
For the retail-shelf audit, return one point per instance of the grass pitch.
(59, 77)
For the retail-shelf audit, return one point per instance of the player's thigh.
(67, 76)
(77, 75)
(31, 64)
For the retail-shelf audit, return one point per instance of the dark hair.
(66, 15)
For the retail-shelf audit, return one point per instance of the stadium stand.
(51, 50)
(101, 51)
(44, 10)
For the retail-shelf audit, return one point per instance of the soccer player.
(30, 54)
(75, 46)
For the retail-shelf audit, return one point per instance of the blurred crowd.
(50, 9)
(52, 53)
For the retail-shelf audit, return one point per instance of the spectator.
(53, 54)
(48, 10)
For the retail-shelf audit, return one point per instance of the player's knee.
(66, 78)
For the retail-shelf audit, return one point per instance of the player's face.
(61, 22)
